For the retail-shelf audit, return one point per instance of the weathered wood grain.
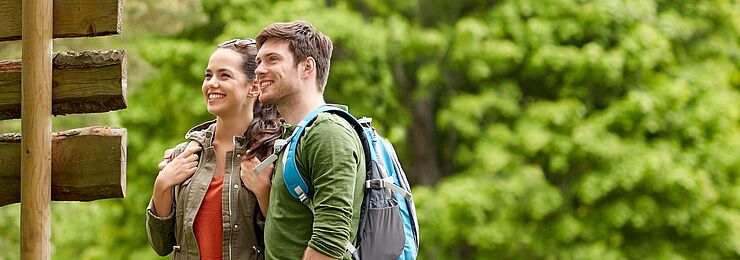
(36, 148)
(86, 164)
(82, 82)
(72, 18)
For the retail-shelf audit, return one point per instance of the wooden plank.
(72, 18)
(82, 82)
(86, 164)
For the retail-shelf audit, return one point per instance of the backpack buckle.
(279, 145)
(302, 196)
(365, 120)
(375, 184)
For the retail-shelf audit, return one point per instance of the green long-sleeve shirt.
(331, 160)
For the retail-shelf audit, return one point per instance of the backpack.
(388, 226)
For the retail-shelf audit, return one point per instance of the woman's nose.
(213, 82)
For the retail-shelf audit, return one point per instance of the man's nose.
(260, 70)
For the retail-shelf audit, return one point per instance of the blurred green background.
(559, 129)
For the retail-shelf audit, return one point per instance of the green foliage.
(615, 139)
(566, 129)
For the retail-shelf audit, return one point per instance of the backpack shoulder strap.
(294, 182)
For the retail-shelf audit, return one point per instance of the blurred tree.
(590, 130)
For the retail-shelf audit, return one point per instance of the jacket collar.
(204, 133)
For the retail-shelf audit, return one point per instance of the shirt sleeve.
(331, 156)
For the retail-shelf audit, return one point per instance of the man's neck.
(294, 112)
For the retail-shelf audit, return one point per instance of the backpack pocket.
(383, 236)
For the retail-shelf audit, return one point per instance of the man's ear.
(309, 66)
(254, 89)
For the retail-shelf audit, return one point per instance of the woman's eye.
(207, 76)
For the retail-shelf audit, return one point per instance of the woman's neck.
(227, 128)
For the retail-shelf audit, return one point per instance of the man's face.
(277, 74)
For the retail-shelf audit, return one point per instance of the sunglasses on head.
(238, 43)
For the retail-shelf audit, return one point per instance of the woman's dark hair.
(265, 127)
(264, 130)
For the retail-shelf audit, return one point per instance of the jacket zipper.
(231, 172)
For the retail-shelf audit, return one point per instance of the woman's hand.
(259, 183)
(172, 173)
(179, 168)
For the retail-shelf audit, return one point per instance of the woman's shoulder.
(201, 133)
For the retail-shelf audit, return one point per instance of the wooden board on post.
(86, 164)
(82, 82)
(72, 18)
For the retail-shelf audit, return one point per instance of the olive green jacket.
(243, 222)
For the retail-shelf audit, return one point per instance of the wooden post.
(36, 127)
(87, 82)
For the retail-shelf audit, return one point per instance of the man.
(293, 67)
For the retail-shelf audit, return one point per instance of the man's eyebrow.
(268, 55)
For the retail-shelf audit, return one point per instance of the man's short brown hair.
(304, 41)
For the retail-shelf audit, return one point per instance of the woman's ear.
(254, 89)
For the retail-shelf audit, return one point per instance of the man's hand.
(166, 158)
(311, 254)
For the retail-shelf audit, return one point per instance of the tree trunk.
(424, 168)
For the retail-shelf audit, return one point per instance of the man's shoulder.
(330, 130)
(328, 123)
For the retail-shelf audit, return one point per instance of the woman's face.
(225, 86)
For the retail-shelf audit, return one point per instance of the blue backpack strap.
(294, 182)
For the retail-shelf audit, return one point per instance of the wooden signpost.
(85, 164)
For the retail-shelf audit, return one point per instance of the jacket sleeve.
(160, 231)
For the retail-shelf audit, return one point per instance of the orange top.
(208, 225)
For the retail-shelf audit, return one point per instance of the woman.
(200, 209)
